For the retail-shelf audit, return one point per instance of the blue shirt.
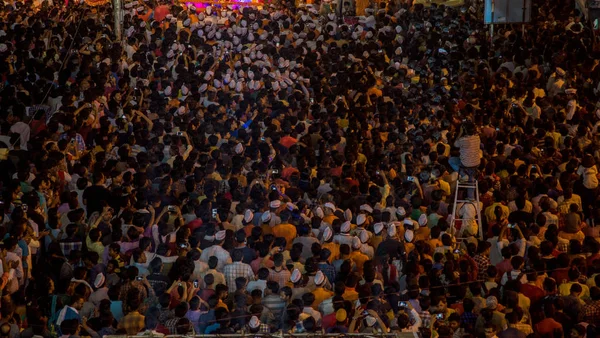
(116, 307)
(205, 320)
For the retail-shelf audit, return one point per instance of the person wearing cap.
(370, 322)
(377, 238)
(101, 290)
(320, 292)
(572, 103)
(357, 256)
(362, 222)
(274, 208)
(341, 322)
(217, 250)
(390, 245)
(328, 211)
(493, 316)
(344, 236)
(255, 326)
(365, 248)
(329, 244)
(298, 284)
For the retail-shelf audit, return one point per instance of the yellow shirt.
(350, 295)
(222, 304)
(334, 248)
(95, 247)
(489, 212)
(375, 241)
(359, 259)
(286, 231)
(565, 290)
(320, 295)
(329, 219)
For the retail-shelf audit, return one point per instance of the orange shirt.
(286, 231)
(329, 219)
(266, 229)
(248, 229)
(374, 91)
(287, 141)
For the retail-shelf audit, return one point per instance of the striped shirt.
(470, 153)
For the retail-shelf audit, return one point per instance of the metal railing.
(280, 335)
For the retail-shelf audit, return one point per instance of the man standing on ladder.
(467, 212)
(470, 152)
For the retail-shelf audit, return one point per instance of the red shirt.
(590, 260)
(532, 292)
(195, 224)
(503, 267)
(561, 275)
(547, 326)
(328, 321)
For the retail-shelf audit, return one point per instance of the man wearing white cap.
(390, 245)
(328, 209)
(362, 222)
(328, 243)
(357, 256)
(101, 292)
(255, 326)
(572, 104)
(377, 238)
(274, 209)
(365, 248)
(322, 291)
(217, 250)
(297, 285)
(344, 236)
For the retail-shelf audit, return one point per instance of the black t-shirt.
(389, 247)
(94, 196)
(520, 216)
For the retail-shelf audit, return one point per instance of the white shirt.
(590, 180)
(514, 274)
(313, 313)
(24, 131)
(257, 285)
(217, 251)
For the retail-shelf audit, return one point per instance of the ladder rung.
(472, 186)
(466, 201)
(465, 219)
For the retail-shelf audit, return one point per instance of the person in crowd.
(224, 169)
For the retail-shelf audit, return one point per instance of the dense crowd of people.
(292, 169)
